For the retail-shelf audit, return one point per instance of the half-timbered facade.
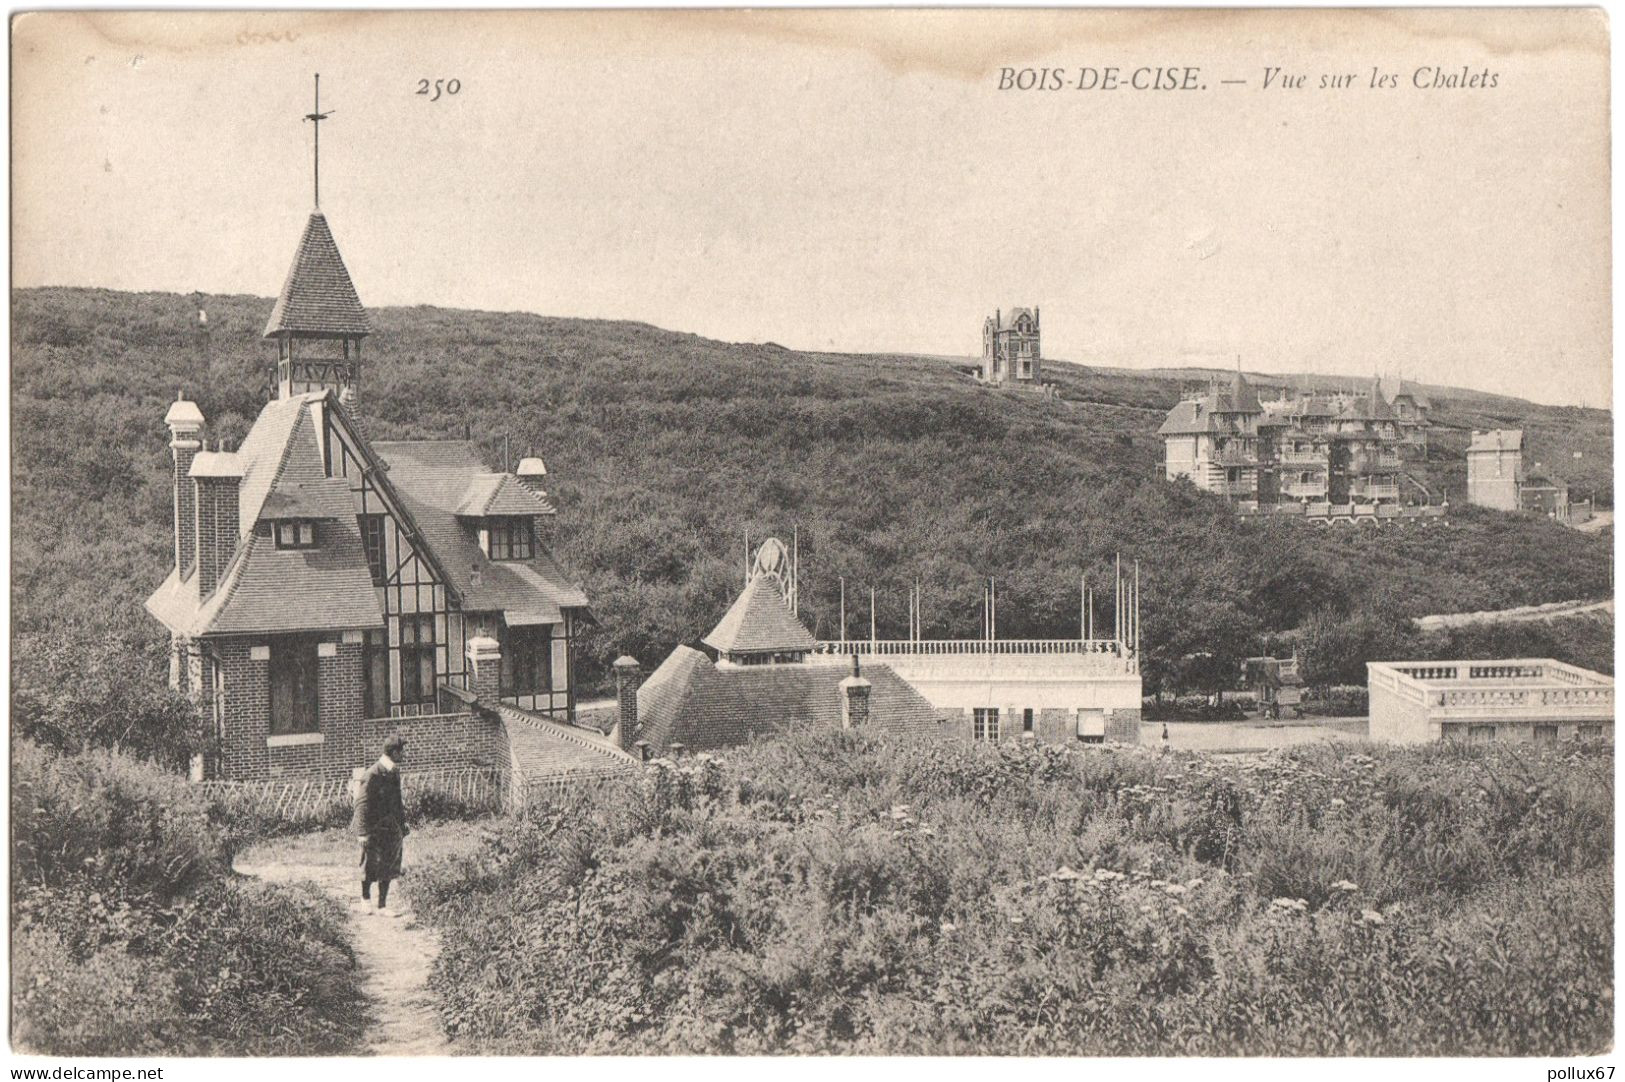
(328, 589)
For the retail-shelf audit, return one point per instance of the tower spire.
(316, 117)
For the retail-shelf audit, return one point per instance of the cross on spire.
(316, 119)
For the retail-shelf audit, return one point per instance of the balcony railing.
(1302, 458)
(1305, 489)
(1376, 492)
(1231, 456)
(941, 647)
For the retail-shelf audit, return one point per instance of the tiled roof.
(270, 589)
(1188, 418)
(695, 702)
(265, 589)
(502, 494)
(1498, 439)
(1194, 416)
(433, 479)
(1376, 404)
(1395, 388)
(543, 748)
(318, 299)
(1242, 397)
(760, 622)
(308, 499)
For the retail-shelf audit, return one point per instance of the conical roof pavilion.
(759, 622)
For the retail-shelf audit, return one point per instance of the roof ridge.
(379, 472)
(230, 578)
(564, 732)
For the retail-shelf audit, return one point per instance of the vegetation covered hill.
(666, 449)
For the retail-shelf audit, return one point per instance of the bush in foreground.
(133, 937)
(828, 893)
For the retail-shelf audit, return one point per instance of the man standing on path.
(381, 822)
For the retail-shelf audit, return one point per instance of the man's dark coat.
(381, 817)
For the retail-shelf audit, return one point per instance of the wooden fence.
(484, 788)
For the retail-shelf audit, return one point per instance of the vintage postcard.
(935, 532)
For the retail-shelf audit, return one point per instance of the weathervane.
(316, 119)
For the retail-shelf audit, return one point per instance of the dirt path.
(396, 955)
(1523, 614)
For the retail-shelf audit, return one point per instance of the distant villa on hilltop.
(1010, 350)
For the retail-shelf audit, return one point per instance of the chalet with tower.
(327, 588)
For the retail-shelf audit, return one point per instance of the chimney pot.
(185, 423)
(628, 677)
(485, 668)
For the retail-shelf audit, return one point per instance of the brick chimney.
(485, 668)
(217, 475)
(185, 423)
(531, 473)
(854, 699)
(628, 677)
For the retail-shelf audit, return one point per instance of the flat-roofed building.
(1521, 699)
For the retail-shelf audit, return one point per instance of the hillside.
(665, 448)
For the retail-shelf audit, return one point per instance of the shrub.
(829, 892)
(134, 937)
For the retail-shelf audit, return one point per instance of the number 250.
(447, 87)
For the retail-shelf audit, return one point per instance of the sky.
(857, 181)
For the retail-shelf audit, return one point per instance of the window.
(527, 660)
(985, 724)
(1589, 732)
(1480, 734)
(1545, 734)
(510, 538)
(295, 702)
(418, 676)
(375, 674)
(1027, 721)
(372, 539)
(296, 534)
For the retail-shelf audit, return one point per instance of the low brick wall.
(441, 741)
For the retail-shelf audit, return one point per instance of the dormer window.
(511, 537)
(296, 534)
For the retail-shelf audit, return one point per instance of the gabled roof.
(1188, 418)
(264, 589)
(692, 701)
(434, 480)
(1401, 388)
(318, 299)
(1497, 439)
(1194, 416)
(502, 494)
(1376, 406)
(759, 622)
